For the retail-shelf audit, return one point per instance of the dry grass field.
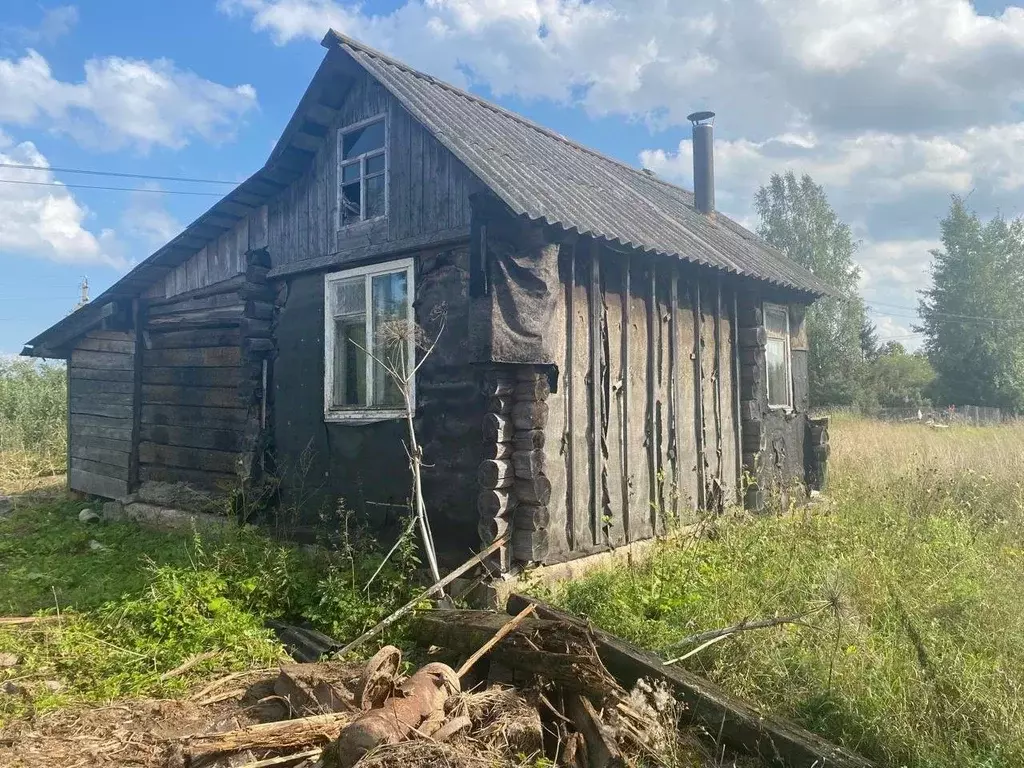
(911, 571)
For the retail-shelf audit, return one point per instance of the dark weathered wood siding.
(101, 376)
(626, 424)
(428, 189)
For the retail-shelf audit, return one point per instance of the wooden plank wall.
(100, 386)
(428, 188)
(220, 259)
(622, 431)
(201, 381)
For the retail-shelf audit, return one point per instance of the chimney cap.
(699, 117)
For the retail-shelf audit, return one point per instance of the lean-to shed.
(615, 355)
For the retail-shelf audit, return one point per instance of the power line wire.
(117, 174)
(111, 189)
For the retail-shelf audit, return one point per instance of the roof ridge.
(346, 40)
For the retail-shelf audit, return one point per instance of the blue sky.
(892, 109)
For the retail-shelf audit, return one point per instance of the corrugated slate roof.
(541, 174)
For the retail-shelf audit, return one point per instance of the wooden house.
(615, 355)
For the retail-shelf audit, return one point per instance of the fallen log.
(602, 748)
(740, 726)
(286, 734)
(556, 651)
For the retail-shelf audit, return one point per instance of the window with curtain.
(369, 341)
(777, 356)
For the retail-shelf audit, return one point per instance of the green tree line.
(972, 311)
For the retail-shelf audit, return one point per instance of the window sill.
(358, 226)
(368, 416)
(781, 408)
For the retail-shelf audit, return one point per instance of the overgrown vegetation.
(135, 604)
(914, 567)
(33, 426)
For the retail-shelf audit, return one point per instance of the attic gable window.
(777, 356)
(362, 171)
(368, 309)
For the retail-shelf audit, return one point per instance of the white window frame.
(361, 159)
(787, 406)
(365, 413)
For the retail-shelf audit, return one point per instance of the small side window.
(362, 172)
(777, 356)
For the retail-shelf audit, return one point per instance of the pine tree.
(869, 347)
(795, 217)
(973, 315)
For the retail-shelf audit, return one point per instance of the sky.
(891, 105)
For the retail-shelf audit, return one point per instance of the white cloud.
(830, 64)
(46, 221)
(147, 221)
(122, 102)
(56, 23)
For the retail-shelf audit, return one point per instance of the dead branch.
(309, 754)
(189, 663)
(437, 587)
(318, 729)
(745, 626)
(17, 621)
(500, 635)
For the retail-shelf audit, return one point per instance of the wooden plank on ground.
(193, 416)
(737, 722)
(212, 397)
(96, 484)
(193, 437)
(101, 468)
(187, 458)
(204, 356)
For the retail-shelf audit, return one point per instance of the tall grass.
(913, 566)
(33, 426)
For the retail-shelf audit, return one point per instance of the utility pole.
(85, 293)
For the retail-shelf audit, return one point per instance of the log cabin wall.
(101, 383)
(201, 407)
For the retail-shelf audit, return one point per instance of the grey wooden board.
(122, 346)
(193, 437)
(208, 318)
(96, 484)
(214, 481)
(93, 387)
(93, 450)
(89, 406)
(214, 397)
(78, 373)
(101, 360)
(119, 472)
(228, 376)
(214, 301)
(193, 416)
(614, 284)
(555, 433)
(204, 337)
(640, 481)
(203, 357)
(188, 458)
(686, 439)
(579, 418)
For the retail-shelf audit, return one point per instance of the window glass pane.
(362, 140)
(391, 336)
(374, 196)
(349, 360)
(778, 379)
(350, 172)
(350, 297)
(350, 206)
(775, 321)
(375, 164)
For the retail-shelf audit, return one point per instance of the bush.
(33, 419)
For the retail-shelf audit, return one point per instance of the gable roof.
(545, 176)
(536, 172)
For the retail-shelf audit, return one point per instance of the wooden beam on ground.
(741, 726)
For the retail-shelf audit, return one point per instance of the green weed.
(913, 569)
